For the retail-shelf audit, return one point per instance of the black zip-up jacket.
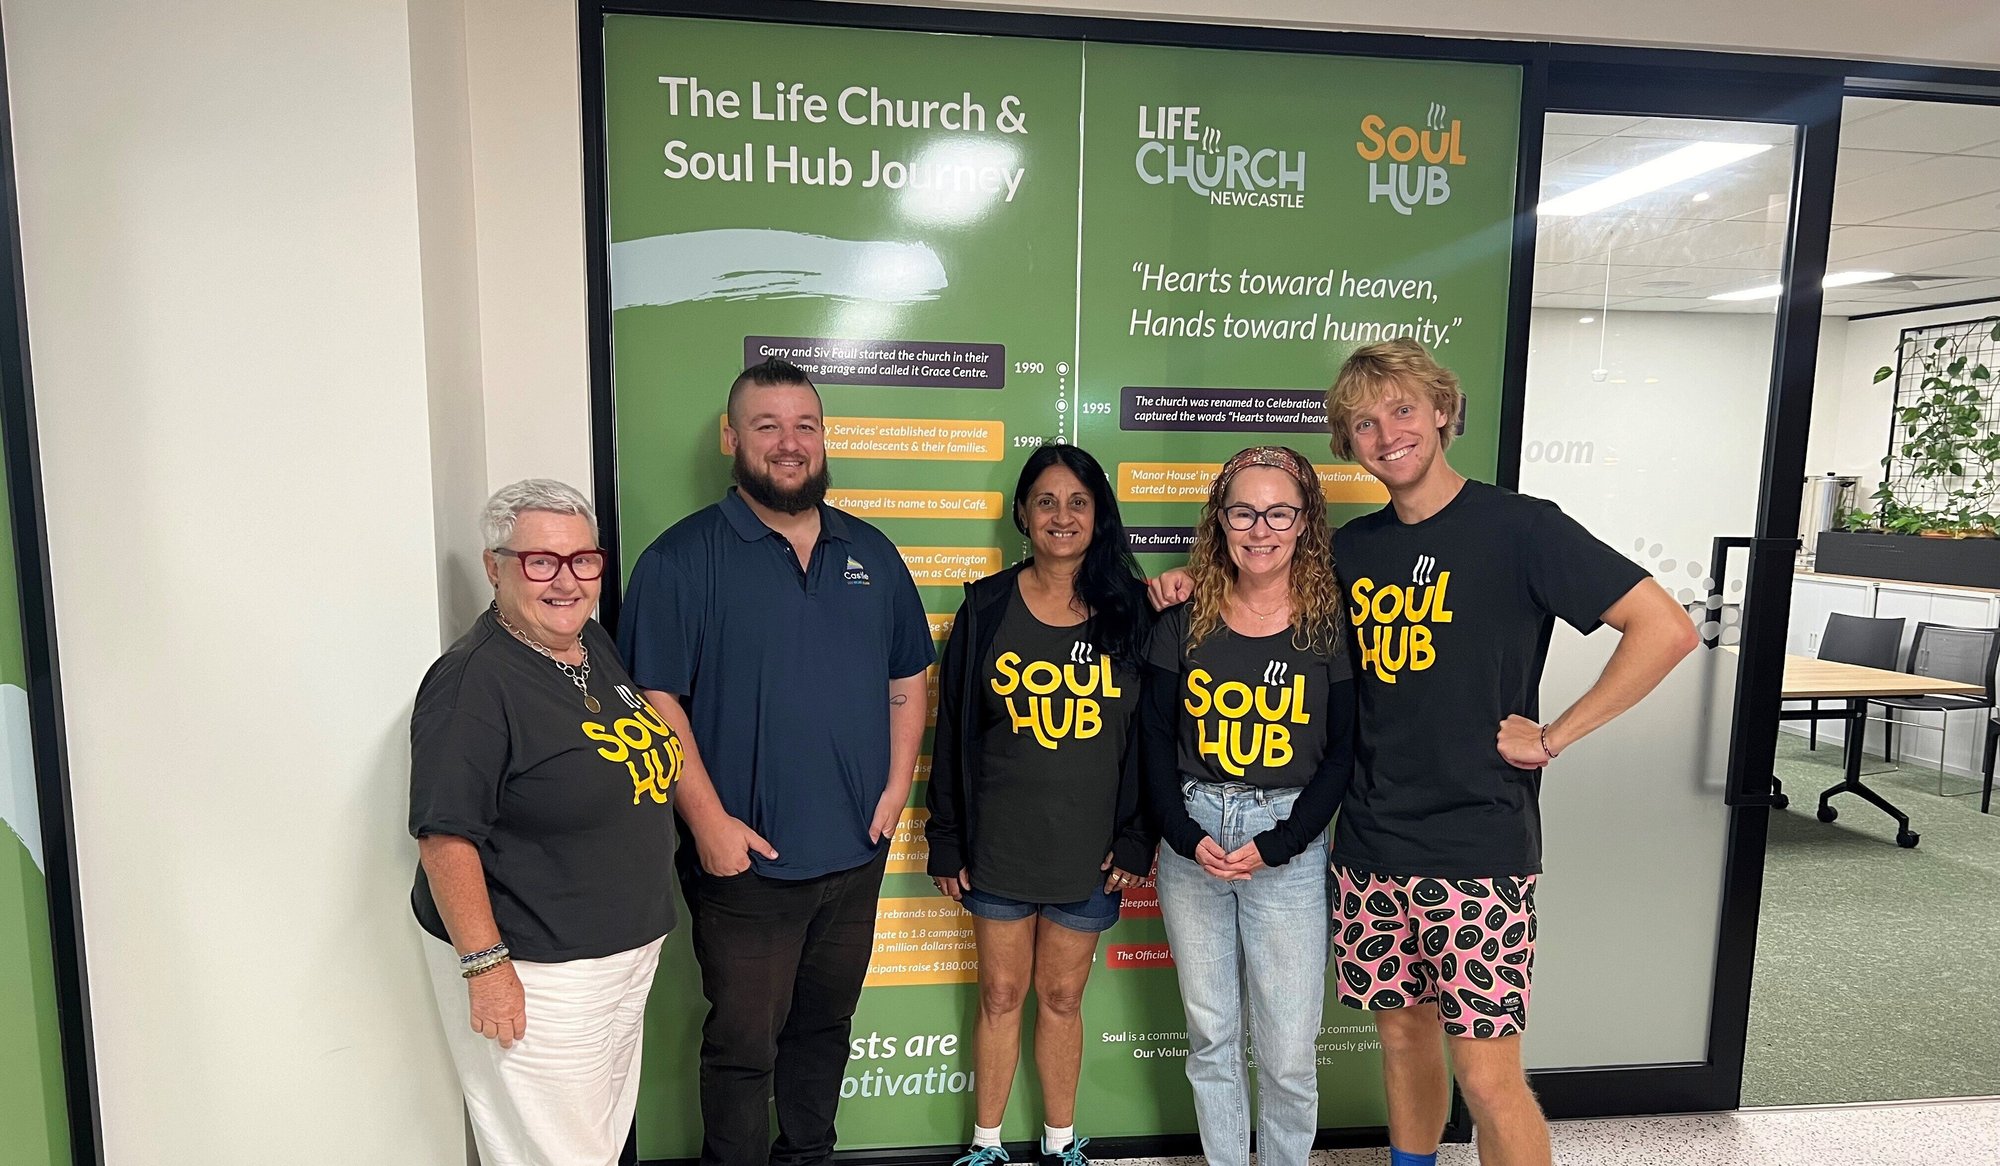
(955, 748)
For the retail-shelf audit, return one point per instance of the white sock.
(1054, 1139)
(985, 1135)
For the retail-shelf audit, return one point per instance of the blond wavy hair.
(1317, 611)
(1392, 367)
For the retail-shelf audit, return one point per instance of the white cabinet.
(1815, 598)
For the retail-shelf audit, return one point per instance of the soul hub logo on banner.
(1410, 166)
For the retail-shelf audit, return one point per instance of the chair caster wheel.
(1780, 802)
(1907, 840)
(1828, 813)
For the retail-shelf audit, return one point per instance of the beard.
(766, 492)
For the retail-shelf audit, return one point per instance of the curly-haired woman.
(1249, 730)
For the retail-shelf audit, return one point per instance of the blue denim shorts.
(1097, 913)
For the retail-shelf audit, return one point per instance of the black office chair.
(1947, 652)
(1992, 744)
(1855, 639)
(1848, 639)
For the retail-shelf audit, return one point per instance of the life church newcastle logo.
(1410, 166)
(1175, 148)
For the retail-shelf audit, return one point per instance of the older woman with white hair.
(540, 790)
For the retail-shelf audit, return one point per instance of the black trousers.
(781, 964)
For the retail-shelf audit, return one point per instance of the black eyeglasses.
(542, 566)
(1242, 517)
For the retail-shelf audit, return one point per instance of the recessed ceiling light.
(1586, 319)
(1647, 177)
(1701, 196)
(1843, 278)
(1833, 279)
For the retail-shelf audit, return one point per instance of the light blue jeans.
(1259, 943)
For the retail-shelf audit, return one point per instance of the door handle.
(1760, 673)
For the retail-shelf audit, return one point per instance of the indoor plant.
(1942, 481)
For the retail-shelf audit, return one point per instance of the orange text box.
(917, 503)
(949, 566)
(940, 625)
(1189, 482)
(922, 941)
(1346, 483)
(923, 772)
(930, 694)
(908, 852)
(913, 439)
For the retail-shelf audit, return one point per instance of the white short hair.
(508, 503)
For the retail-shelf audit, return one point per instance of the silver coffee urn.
(1828, 498)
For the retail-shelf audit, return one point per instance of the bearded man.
(785, 643)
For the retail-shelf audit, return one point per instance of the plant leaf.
(1883, 374)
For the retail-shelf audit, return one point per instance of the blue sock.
(1405, 1158)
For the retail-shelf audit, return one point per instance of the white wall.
(527, 161)
(304, 280)
(449, 256)
(220, 229)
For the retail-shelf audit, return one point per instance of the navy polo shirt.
(784, 670)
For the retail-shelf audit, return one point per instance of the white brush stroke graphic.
(753, 264)
(18, 811)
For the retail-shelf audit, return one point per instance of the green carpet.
(1878, 969)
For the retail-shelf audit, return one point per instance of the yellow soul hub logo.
(1054, 702)
(1232, 736)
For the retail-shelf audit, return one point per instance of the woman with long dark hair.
(1035, 823)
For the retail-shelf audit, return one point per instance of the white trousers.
(564, 1094)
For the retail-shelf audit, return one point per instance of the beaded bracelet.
(484, 968)
(468, 960)
(1545, 743)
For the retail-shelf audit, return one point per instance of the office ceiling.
(1918, 194)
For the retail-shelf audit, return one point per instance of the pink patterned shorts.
(1466, 945)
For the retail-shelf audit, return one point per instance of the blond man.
(1453, 590)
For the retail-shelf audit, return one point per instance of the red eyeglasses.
(542, 566)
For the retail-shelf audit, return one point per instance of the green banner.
(978, 245)
(32, 1098)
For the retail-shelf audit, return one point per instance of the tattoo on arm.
(899, 699)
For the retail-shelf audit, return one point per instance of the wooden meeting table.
(1808, 678)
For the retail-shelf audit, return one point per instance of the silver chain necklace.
(579, 676)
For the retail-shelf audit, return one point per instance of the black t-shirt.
(1252, 708)
(570, 809)
(1452, 618)
(1053, 722)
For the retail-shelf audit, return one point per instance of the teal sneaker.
(983, 1156)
